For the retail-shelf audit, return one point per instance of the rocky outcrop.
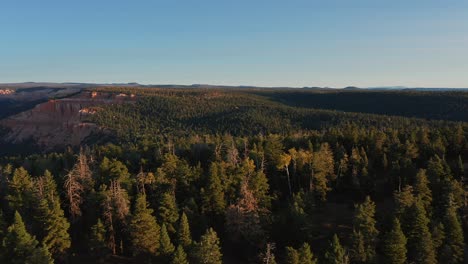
(6, 91)
(62, 122)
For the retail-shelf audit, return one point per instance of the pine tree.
(168, 212)
(423, 192)
(335, 253)
(213, 194)
(404, 200)
(180, 257)
(438, 237)
(323, 171)
(41, 256)
(166, 247)
(364, 224)
(50, 217)
(144, 231)
(292, 256)
(97, 241)
(394, 245)
(57, 239)
(184, 237)
(258, 183)
(453, 246)
(358, 249)
(20, 247)
(420, 246)
(20, 187)
(305, 255)
(209, 250)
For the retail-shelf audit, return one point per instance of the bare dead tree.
(143, 179)
(268, 257)
(108, 218)
(78, 181)
(83, 170)
(119, 199)
(115, 211)
(74, 190)
(243, 218)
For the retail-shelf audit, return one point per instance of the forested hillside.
(247, 176)
(443, 105)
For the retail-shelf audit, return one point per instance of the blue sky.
(267, 43)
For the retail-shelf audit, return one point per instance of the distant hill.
(135, 84)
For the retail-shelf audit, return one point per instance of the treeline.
(353, 195)
(217, 176)
(429, 105)
(238, 112)
(436, 105)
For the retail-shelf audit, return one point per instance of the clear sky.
(236, 42)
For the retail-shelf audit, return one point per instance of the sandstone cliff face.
(59, 123)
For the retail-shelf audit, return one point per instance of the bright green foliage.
(423, 192)
(209, 250)
(324, 171)
(335, 253)
(166, 247)
(213, 195)
(404, 200)
(47, 187)
(20, 247)
(420, 245)
(144, 231)
(453, 246)
(52, 223)
(41, 256)
(452, 195)
(55, 225)
(180, 257)
(358, 249)
(305, 255)
(20, 190)
(115, 170)
(394, 245)
(184, 237)
(258, 183)
(437, 169)
(292, 256)
(167, 211)
(364, 225)
(97, 241)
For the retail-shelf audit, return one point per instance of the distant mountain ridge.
(135, 84)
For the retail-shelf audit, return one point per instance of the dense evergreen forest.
(248, 176)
